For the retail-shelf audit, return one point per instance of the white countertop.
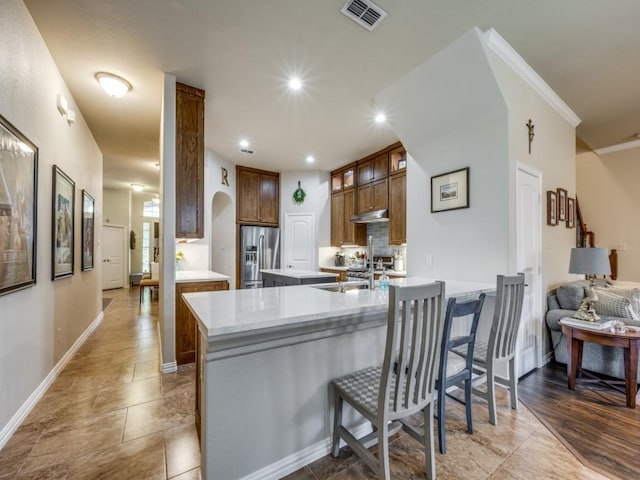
(245, 312)
(184, 276)
(297, 273)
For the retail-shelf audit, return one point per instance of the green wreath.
(298, 195)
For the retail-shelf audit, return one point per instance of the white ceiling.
(242, 51)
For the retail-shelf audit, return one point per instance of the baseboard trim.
(303, 457)
(169, 367)
(9, 429)
(548, 357)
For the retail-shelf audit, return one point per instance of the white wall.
(608, 191)
(168, 222)
(117, 207)
(449, 113)
(467, 107)
(553, 153)
(316, 187)
(39, 324)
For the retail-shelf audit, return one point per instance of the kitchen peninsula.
(265, 360)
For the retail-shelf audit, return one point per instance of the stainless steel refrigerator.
(259, 249)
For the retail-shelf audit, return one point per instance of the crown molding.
(500, 47)
(618, 147)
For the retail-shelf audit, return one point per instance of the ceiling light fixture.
(137, 187)
(380, 118)
(114, 85)
(295, 84)
(310, 159)
(244, 143)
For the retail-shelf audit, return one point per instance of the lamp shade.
(589, 261)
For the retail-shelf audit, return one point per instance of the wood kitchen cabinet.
(258, 196)
(342, 274)
(398, 209)
(374, 169)
(343, 230)
(343, 178)
(186, 329)
(189, 162)
(373, 196)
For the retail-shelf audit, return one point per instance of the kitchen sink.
(341, 286)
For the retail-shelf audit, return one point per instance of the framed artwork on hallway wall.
(562, 205)
(552, 208)
(18, 209)
(450, 191)
(88, 206)
(571, 212)
(64, 194)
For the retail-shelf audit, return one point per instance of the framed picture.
(88, 206)
(571, 212)
(562, 205)
(552, 208)
(402, 164)
(18, 209)
(450, 191)
(64, 192)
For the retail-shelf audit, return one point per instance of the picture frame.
(571, 213)
(63, 235)
(18, 209)
(88, 230)
(552, 208)
(402, 164)
(562, 205)
(450, 191)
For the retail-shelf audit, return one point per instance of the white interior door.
(529, 219)
(300, 241)
(112, 256)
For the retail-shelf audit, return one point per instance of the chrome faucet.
(371, 267)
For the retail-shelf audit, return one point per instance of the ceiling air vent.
(365, 13)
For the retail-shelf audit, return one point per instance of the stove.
(362, 273)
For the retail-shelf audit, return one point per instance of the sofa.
(565, 301)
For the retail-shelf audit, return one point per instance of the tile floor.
(111, 415)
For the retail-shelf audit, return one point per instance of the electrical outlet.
(622, 247)
(429, 260)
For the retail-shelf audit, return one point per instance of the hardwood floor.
(592, 421)
(111, 414)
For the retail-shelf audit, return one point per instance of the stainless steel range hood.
(371, 217)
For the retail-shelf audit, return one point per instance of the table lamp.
(590, 262)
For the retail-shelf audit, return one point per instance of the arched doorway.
(223, 236)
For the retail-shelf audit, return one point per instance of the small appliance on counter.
(340, 259)
(398, 262)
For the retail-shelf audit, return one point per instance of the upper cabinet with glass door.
(343, 178)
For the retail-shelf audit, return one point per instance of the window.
(145, 247)
(151, 209)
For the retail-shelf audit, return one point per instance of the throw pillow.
(613, 305)
(633, 294)
(570, 295)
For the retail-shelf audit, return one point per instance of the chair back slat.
(414, 328)
(507, 316)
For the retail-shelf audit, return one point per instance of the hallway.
(110, 413)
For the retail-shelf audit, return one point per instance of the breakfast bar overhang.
(265, 360)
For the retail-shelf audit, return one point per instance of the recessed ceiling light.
(380, 118)
(114, 85)
(295, 83)
(310, 159)
(244, 143)
(137, 187)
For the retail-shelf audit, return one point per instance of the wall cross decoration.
(530, 126)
